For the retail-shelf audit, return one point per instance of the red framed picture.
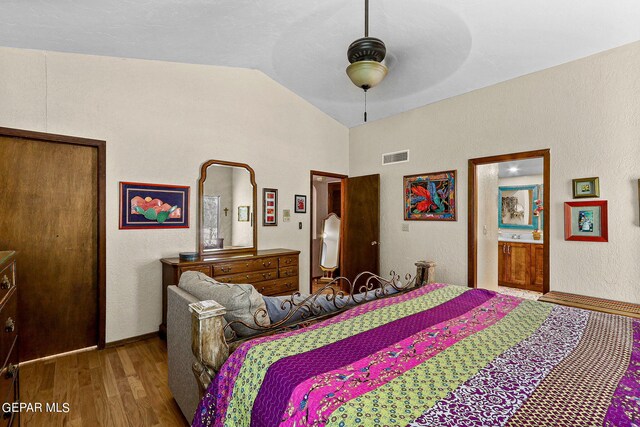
(586, 221)
(269, 207)
(146, 206)
(300, 203)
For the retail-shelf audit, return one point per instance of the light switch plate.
(405, 227)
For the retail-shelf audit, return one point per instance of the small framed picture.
(146, 206)
(586, 187)
(243, 213)
(586, 221)
(270, 207)
(301, 204)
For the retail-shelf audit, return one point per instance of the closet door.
(50, 204)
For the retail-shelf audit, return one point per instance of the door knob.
(9, 325)
(6, 283)
(374, 243)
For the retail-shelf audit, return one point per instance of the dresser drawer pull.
(261, 289)
(9, 325)
(266, 275)
(225, 269)
(11, 371)
(288, 261)
(266, 264)
(6, 283)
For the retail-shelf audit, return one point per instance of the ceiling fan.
(365, 55)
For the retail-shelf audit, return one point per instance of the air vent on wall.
(395, 157)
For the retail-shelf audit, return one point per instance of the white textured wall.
(521, 180)
(161, 121)
(587, 112)
(487, 226)
(320, 207)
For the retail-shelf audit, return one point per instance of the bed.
(438, 355)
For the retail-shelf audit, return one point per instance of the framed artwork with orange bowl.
(147, 206)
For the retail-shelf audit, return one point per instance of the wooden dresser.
(272, 271)
(9, 385)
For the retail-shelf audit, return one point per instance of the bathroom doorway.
(508, 246)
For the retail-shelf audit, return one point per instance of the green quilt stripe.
(260, 357)
(404, 399)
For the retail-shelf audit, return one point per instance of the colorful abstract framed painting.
(300, 203)
(586, 187)
(430, 197)
(269, 207)
(586, 221)
(145, 206)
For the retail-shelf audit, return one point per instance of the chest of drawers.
(9, 359)
(271, 271)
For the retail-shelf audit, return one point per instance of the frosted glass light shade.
(366, 74)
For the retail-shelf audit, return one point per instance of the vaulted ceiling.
(436, 48)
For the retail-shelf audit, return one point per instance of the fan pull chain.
(365, 106)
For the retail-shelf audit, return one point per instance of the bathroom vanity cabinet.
(520, 265)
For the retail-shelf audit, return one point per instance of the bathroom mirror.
(515, 207)
(330, 246)
(226, 211)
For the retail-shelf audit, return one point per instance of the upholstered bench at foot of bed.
(182, 383)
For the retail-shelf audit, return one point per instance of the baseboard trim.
(55, 356)
(131, 340)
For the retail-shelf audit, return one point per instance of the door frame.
(343, 189)
(101, 207)
(472, 241)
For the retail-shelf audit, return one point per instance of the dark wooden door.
(49, 205)
(362, 226)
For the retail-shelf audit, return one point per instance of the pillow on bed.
(240, 301)
(277, 313)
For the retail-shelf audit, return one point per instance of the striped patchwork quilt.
(438, 356)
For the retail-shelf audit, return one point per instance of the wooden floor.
(122, 386)
(316, 286)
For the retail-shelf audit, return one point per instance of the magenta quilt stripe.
(314, 400)
(284, 375)
(219, 393)
(625, 404)
(493, 395)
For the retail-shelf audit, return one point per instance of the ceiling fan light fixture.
(366, 55)
(366, 74)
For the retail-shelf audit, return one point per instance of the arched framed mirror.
(330, 247)
(227, 197)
